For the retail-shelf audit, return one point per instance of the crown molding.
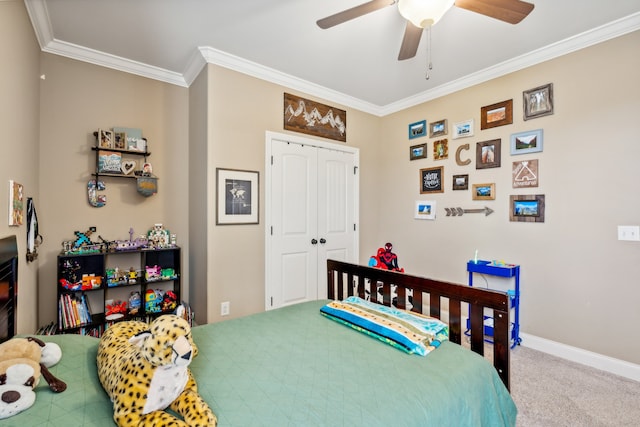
(203, 55)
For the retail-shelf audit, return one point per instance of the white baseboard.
(578, 355)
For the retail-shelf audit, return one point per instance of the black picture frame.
(431, 180)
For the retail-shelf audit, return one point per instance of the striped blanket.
(411, 332)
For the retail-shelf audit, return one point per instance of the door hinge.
(272, 230)
(271, 160)
(271, 301)
(354, 227)
(355, 170)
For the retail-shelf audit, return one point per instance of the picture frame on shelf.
(488, 154)
(438, 128)
(418, 129)
(483, 191)
(526, 142)
(425, 209)
(237, 198)
(537, 102)
(431, 180)
(105, 138)
(418, 151)
(463, 129)
(526, 208)
(109, 162)
(498, 114)
(120, 140)
(460, 182)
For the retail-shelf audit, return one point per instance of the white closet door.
(336, 226)
(294, 218)
(312, 211)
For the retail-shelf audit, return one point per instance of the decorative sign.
(313, 118)
(459, 211)
(431, 180)
(109, 162)
(96, 200)
(525, 174)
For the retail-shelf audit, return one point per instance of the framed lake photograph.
(237, 196)
(526, 208)
(484, 191)
(418, 151)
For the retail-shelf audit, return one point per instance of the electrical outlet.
(225, 308)
(629, 232)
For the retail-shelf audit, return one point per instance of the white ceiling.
(354, 63)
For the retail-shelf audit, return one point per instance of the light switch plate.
(629, 232)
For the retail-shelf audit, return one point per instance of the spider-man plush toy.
(386, 259)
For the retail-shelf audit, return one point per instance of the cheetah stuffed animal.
(144, 369)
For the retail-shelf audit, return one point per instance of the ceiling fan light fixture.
(424, 13)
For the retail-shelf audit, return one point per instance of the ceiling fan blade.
(354, 12)
(511, 11)
(410, 41)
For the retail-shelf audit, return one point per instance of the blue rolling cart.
(491, 268)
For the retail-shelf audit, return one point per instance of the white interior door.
(311, 213)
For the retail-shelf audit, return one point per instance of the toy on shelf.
(153, 301)
(385, 259)
(115, 310)
(153, 272)
(135, 303)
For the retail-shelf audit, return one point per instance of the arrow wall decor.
(459, 211)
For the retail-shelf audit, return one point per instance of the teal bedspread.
(294, 367)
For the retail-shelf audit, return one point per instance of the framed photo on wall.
(526, 208)
(418, 129)
(463, 129)
(526, 142)
(488, 154)
(460, 182)
(498, 114)
(538, 102)
(237, 196)
(425, 209)
(484, 191)
(431, 180)
(418, 151)
(438, 128)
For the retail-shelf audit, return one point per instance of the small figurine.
(385, 259)
(133, 276)
(135, 302)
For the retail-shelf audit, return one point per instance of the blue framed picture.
(418, 129)
(526, 142)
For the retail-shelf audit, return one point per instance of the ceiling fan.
(421, 14)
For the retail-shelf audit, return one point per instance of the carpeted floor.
(550, 391)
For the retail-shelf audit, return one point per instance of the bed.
(294, 367)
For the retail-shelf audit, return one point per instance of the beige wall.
(577, 279)
(19, 116)
(76, 99)
(579, 283)
(243, 108)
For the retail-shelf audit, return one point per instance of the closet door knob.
(314, 242)
(323, 241)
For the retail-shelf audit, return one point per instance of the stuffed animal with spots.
(144, 369)
(22, 362)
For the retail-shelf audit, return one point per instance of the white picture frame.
(425, 209)
(237, 196)
(462, 129)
